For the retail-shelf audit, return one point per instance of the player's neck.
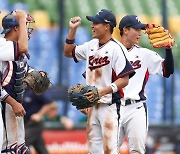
(104, 40)
(10, 36)
(126, 43)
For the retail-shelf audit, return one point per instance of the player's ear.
(15, 28)
(125, 30)
(107, 26)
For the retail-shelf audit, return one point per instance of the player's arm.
(69, 45)
(67, 122)
(39, 115)
(16, 106)
(23, 33)
(115, 86)
(168, 68)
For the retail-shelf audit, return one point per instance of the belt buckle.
(130, 101)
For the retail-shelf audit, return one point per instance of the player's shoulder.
(118, 44)
(4, 41)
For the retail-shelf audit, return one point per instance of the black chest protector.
(15, 87)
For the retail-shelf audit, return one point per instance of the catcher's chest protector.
(13, 81)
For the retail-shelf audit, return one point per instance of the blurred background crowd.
(46, 51)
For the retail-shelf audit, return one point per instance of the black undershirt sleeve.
(168, 63)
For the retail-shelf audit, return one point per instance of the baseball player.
(145, 62)
(8, 54)
(17, 32)
(106, 68)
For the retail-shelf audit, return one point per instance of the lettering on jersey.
(21, 64)
(136, 64)
(97, 62)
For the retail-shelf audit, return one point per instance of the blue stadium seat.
(153, 89)
(82, 35)
(4, 5)
(44, 52)
(43, 38)
(56, 34)
(61, 106)
(177, 98)
(74, 114)
(19, 6)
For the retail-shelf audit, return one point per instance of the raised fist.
(19, 14)
(74, 22)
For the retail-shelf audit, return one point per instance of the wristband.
(70, 41)
(114, 87)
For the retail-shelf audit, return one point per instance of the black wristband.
(70, 41)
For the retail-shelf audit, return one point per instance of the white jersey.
(103, 64)
(144, 62)
(8, 52)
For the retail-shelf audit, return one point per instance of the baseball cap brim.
(94, 19)
(6, 31)
(139, 26)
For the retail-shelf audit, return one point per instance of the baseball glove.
(159, 36)
(78, 99)
(38, 81)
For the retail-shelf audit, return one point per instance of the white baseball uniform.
(135, 120)
(7, 53)
(13, 126)
(104, 65)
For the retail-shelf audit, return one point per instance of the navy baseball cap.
(103, 16)
(8, 22)
(131, 21)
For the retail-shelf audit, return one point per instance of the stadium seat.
(51, 7)
(177, 98)
(19, 6)
(82, 35)
(42, 19)
(4, 5)
(61, 106)
(156, 20)
(154, 88)
(174, 22)
(74, 114)
(43, 38)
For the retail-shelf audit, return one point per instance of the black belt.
(129, 101)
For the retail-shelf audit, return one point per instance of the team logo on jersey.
(97, 62)
(136, 64)
(21, 64)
